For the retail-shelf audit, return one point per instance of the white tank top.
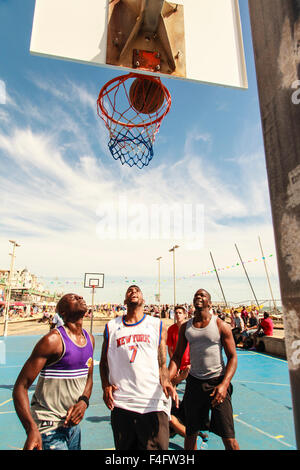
(133, 364)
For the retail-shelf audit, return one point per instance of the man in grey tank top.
(208, 387)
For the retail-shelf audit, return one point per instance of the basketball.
(146, 96)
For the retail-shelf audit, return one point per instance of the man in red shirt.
(244, 315)
(177, 415)
(265, 328)
(173, 330)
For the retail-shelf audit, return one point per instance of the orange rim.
(121, 79)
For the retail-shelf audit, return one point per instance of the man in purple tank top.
(208, 386)
(63, 360)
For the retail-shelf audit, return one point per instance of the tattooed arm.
(108, 389)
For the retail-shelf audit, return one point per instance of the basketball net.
(131, 132)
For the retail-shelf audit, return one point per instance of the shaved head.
(207, 293)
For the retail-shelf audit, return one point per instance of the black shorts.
(179, 412)
(136, 431)
(199, 414)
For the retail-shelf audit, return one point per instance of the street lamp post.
(158, 259)
(174, 277)
(15, 244)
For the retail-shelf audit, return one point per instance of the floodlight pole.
(174, 275)
(7, 300)
(158, 259)
(276, 37)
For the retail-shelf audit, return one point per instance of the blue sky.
(57, 174)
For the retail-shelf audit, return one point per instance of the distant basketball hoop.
(93, 281)
(132, 107)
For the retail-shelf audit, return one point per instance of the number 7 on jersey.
(134, 351)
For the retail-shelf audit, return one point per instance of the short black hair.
(180, 307)
(133, 285)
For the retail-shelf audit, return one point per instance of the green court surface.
(261, 399)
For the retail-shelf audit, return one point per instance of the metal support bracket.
(142, 31)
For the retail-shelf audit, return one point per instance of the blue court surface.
(261, 402)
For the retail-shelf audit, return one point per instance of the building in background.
(25, 288)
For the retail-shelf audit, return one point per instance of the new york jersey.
(132, 356)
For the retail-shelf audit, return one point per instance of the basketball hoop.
(93, 281)
(132, 107)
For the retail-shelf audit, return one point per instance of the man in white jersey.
(135, 378)
(208, 386)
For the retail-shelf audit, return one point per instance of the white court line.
(261, 354)
(7, 401)
(263, 383)
(263, 432)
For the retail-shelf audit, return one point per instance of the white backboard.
(76, 30)
(95, 280)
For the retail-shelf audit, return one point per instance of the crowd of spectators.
(248, 324)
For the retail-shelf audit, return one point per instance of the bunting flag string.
(61, 282)
(210, 271)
